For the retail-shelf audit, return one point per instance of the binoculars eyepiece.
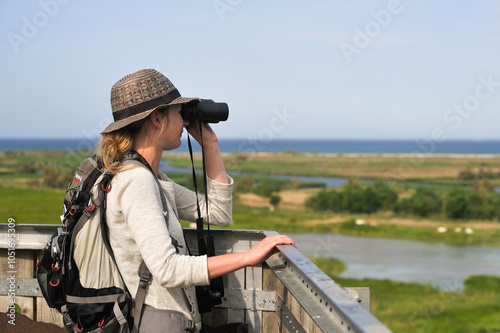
(205, 110)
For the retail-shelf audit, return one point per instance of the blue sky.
(288, 69)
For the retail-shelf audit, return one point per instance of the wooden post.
(21, 267)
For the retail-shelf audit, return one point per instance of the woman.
(147, 120)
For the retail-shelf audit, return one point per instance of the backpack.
(77, 272)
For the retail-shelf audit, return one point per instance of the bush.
(10, 154)
(424, 202)
(355, 198)
(456, 205)
(482, 186)
(403, 206)
(386, 195)
(26, 168)
(55, 178)
(323, 200)
(269, 186)
(465, 204)
(244, 185)
(274, 200)
(482, 284)
(482, 173)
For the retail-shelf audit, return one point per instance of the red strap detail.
(90, 209)
(101, 323)
(79, 329)
(37, 263)
(106, 189)
(72, 211)
(56, 269)
(54, 284)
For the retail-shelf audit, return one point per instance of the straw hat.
(135, 96)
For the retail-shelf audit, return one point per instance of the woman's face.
(172, 127)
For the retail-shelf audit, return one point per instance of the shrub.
(457, 204)
(386, 195)
(269, 186)
(355, 198)
(244, 185)
(274, 200)
(26, 168)
(482, 186)
(424, 202)
(482, 284)
(10, 154)
(52, 177)
(403, 206)
(465, 204)
(323, 200)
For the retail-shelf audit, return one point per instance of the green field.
(44, 206)
(32, 206)
(26, 194)
(413, 307)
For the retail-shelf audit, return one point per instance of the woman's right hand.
(266, 248)
(223, 264)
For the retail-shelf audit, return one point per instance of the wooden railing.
(287, 293)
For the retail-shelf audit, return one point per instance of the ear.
(155, 117)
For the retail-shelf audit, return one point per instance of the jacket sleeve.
(141, 206)
(220, 202)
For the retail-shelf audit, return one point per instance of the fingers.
(208, 134)
(267, 247)
(281, 240)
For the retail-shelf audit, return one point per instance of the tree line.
(455, 203)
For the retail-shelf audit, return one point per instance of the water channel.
(328, 181)
(441, 265)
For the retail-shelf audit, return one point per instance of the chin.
(174, 146)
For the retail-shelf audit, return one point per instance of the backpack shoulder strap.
(134, 158)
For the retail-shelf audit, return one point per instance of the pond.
(441, 265)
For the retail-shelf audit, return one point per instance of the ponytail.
(112, 147)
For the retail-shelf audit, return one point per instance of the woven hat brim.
(116, 125)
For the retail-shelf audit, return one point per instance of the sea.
(319, 146)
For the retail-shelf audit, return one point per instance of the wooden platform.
(287, 293)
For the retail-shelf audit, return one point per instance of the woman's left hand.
(209, 137)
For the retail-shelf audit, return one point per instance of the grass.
(44, 206)
(413, 307)
(31, 206)
(480, 237)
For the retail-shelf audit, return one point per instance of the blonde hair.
(115, 145)
(112, 147)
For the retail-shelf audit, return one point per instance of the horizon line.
(277, 139)
(283, 139)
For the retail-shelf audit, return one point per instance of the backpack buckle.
(190, 326)
(144, 280)
(66, 317)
